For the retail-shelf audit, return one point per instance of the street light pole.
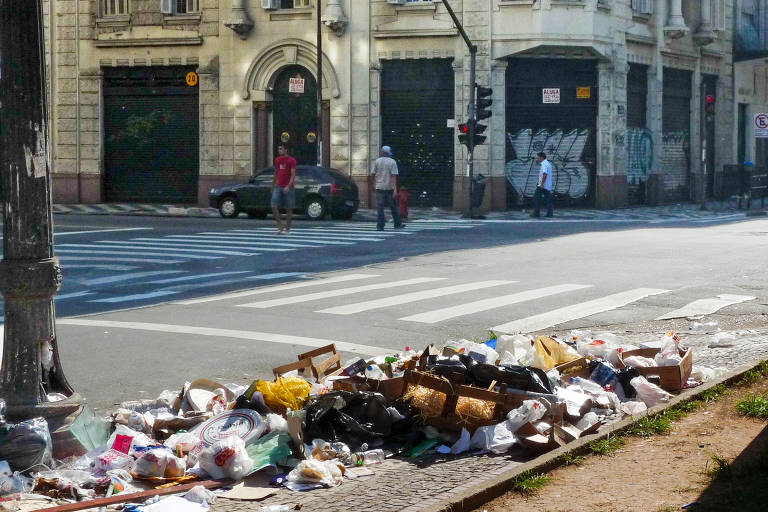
(319, 84)
(471, 111)
(29, 273)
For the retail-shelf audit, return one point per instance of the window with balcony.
(187, 6)
(115, 8)
(642, 7)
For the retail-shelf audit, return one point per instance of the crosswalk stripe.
(94, 250)
(279, 287)
(65, 233)
(116, 268)
(137, 296)
(439, 315)
(576, 311)
(265, 337)
(149, 246)
(319, 236)
(276, 238)
(411, 297)
(64, 258)
(196, 277)
(189, 240)
(334, 231)
(129, 277)
(338, 293)
(183, 247)
(73, 295)
(706, 306)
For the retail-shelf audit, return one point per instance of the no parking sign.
(761, 126)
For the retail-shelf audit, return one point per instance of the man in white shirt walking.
(384, 175)
(543, 186)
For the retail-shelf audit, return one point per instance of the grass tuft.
(607, 445)
(721, 468)
(529, 482)
(755, 406)
(570, 459)
(754, 375)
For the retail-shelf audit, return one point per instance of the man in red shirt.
(283, 194)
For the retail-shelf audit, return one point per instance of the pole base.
(60, 416)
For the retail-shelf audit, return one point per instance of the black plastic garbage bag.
(625, 375)
(26, 445)
(524, 378)
(351, 418)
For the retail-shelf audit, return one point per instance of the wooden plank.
(135, 496)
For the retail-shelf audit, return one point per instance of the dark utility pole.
(29, 273)
(319, 84)
(472, 63)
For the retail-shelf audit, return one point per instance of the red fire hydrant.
(403, 198)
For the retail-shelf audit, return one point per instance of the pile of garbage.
(321, 421)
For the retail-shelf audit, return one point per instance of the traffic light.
(464, 134)
(709, 107)
(483, 102)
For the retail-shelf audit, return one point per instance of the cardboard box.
(672, 378)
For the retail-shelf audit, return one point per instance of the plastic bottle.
(276, 508)
(696, 326)
(374, 372)
(369, 458)
(587, 385)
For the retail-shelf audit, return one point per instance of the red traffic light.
(464, 128)
(710, 99)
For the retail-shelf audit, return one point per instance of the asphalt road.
(148, 303)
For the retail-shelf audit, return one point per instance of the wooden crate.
(309, 367)
(392, 389)
(672, 378)
(449, 419)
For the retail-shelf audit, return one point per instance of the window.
(187, 6)
(642, 7)
(114, 8)
(295, 4)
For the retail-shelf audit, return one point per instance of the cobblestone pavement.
(411, 486)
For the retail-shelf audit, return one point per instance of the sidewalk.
(637, 213)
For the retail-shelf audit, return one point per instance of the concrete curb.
(475, 494)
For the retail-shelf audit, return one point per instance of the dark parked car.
(319, 191)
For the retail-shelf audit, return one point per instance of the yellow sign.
(285, 137)
(583, 93)
(191, 79)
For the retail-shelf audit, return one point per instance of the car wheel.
(257, 214)
(316, 208)
(228, 207)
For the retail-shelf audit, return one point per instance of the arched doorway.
(294, 114)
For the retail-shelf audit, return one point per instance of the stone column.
(705, 34)
(675, 27)
(498, 137)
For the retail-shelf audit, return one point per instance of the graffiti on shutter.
(639, 154)
(675, 148)
(564, 150)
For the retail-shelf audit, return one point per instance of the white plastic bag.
(226, 459)
(516, 350)
(639, 362)
(328, 473)
(669, 355)
(648, 392)
(587, 421)
(479, 352)
(276, 423)
(200, 494)
(494, 438)
(599, 349)
(462, 444)
(152, 463)
(182, 441)
(633, 408)
(139, 439)
(530, 412)
(707, 373)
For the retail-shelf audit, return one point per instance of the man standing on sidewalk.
(543, 186)
(384, 174)
(283, 194)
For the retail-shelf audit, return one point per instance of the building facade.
(161, 100)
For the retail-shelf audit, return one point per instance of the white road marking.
(63, 233)
(333, 231)
(406, 298)
(216, 242)
(319, 236)
(576, 311)
(137, 296)
(116, 268)
(266, 337)
(159, 247)
(65, 258)
(338, 293)
(95, 250)
(439, 315)
(128, 277)
(196, 277)
(72, 295)
(278, 287)
(258, 238)
(706, 306)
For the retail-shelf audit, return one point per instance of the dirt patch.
(663, 473)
